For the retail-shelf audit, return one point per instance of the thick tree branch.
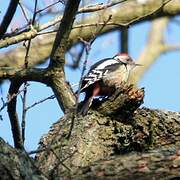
(30, 74)
(61, 90)
(8, 17)
(60, 44)
(96, 137)
(160, 164)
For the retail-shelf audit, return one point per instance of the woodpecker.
(104, 76)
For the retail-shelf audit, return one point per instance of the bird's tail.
(86, 105)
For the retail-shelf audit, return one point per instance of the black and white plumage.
(104, 76)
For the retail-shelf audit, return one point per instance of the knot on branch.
(124, 100)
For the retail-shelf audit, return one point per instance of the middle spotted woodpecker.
(104, 76)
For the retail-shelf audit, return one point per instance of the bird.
(104, 77)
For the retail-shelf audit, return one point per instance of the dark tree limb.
(158, 165)
(17, 79)
(11, 108)
(61, 41)
(8, 17)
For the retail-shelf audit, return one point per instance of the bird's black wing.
(98, 71)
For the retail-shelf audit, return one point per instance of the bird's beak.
(138, 64)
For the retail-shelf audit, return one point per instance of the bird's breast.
(116, 77)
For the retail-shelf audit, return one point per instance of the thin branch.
(76, 58)
(114, 25)
(10, 98)
(34, 13)
(24, 12)
(60, 162)
(24, 97)
(8, 17)
(39, 102)
(49, 6)
(23, 123)
(32, 33)
(21, 76)
(117, 25)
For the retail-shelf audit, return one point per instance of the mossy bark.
(98, 136)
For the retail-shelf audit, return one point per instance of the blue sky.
(161, 83)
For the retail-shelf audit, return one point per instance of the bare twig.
(10, 98)
(24, 12)
(49, 6)
(117, 25)
(60, 161)
(23, 124)
(76, 58)
(39, 102)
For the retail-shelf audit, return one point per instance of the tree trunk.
(117, 128)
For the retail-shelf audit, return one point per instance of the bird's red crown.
(121, 54)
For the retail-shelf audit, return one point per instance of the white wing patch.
(106, 63)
